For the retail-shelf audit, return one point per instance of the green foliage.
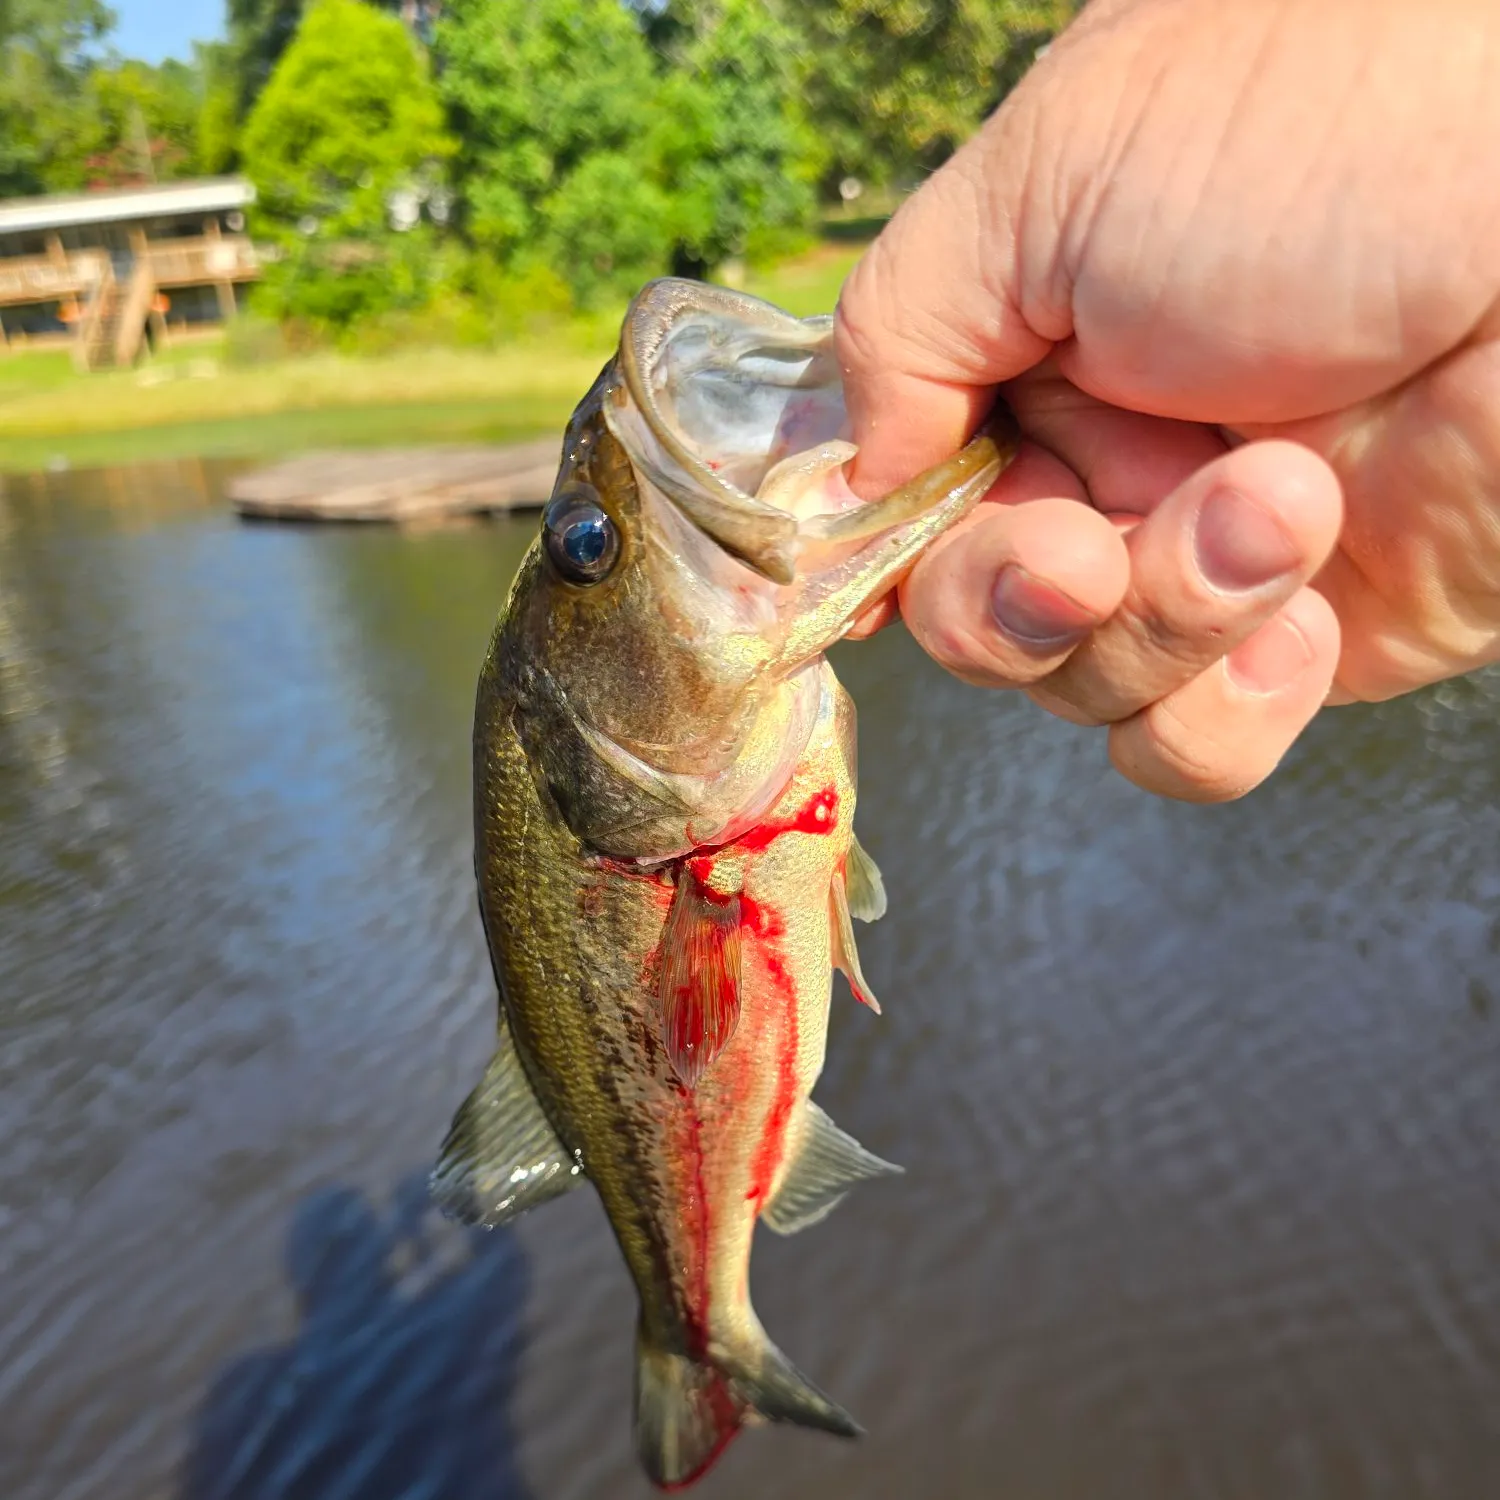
(610, 159)
(735, 155)
(141, 123)
(259, 32)
(349, 117)
(43, 67)
(349, 121)
(894, 85)
(552, 102)
(217, 130)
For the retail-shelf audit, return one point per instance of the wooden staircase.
(113, 326)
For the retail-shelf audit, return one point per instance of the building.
(114, 271)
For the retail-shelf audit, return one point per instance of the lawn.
(191, 404)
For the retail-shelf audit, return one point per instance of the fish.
(664, 788)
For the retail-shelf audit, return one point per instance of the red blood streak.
(768, 1153)
(817, 815)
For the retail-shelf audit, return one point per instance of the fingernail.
(1034, 613)
(1239, 544)
(1274, 657)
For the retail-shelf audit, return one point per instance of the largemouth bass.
(664, 769)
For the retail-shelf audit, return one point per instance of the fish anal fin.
(845, 955)
(501, 1155)
(827, 1165)
(699, 976)
(867, 900)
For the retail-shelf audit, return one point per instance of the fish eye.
(581, 540)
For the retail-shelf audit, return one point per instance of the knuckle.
(1156, 636)
(1063, 706)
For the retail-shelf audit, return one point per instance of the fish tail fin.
(686, 1414)
(687, 1411)
(779, 1392)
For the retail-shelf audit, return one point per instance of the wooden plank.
(400, 484)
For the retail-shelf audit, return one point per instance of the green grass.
(188, 403)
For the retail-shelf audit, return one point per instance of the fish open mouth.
(735, 411)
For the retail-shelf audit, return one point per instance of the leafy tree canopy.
(260, 31)
(894, 85)
(43, 63)
(734, 151)
(553, 103)
(349, 116)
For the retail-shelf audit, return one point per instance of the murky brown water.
(1201, 1108)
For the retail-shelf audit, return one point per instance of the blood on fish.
(819, 814)
(768, 1153)
(764, 926)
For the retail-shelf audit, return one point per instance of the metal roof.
(112, 205)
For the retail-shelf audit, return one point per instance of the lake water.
(1200, 1107)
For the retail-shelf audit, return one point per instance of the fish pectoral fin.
(845, 955)
(867, 901)
(827, 1165)
(698, 983)
(501, 1155)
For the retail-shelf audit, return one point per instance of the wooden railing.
(41, 278)
(197, 262)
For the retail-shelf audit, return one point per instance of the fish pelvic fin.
(841, 944)
(688, 1410)
(699, 984)
(828, 1164)
(501, 1155)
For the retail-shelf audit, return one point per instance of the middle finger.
(1208, 567)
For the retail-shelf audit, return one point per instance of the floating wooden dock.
(402, 485)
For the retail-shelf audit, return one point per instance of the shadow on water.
(399, 1380)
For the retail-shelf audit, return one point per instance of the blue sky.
(154, 29)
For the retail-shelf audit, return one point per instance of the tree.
(733, 148)
(893, 86)
(343, 146)
(349, 118)
(260, 31)
(43, 63)
(142, 123)
(553, 103)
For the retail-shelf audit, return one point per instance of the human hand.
(1236, 266)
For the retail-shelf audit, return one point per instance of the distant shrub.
(254, 340)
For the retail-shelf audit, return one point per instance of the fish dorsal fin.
(699, 976)
(845, 955)
(866, 888)
(827, 1165)
(501, 1156)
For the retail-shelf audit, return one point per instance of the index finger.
(928, 323)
